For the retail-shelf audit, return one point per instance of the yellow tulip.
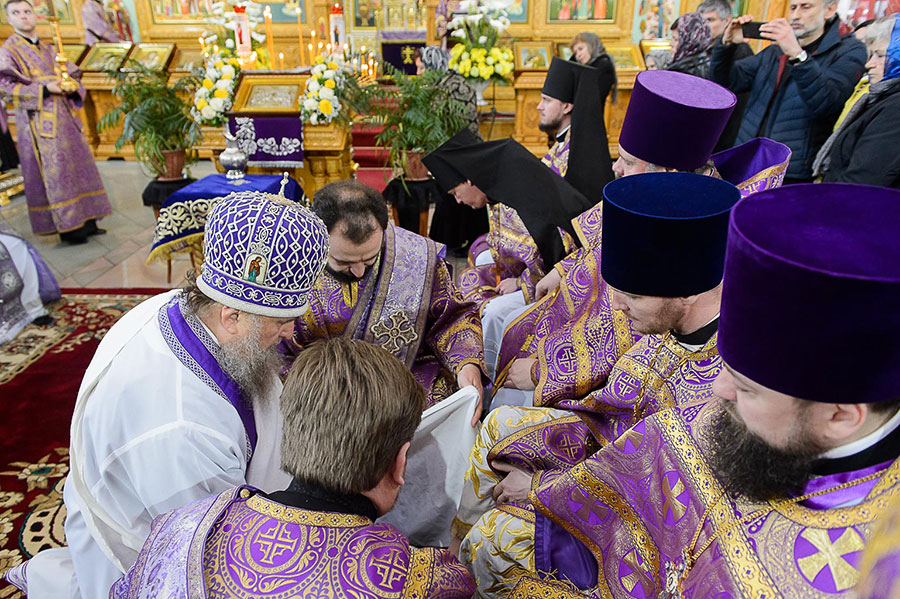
(329, 83)
(333, 66)
(325, 107)
(220, 93)
(207, 83)
(201, 104)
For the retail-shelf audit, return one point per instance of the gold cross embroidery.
(390, 567)
(395, 336)
(632, 435)
(567, 359)
(638, 576)
(588, 506)
(831, 555)
(569, 446)
(408, 52)
(274, 542)
(672, 502)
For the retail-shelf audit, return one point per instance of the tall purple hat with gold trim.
(674, 120)
(262, 254)
(811, 296)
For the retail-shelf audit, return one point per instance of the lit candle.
(215, 49)
(270, 39)
(300, 35)
(202, 45)
(310, 52)
(281, 60)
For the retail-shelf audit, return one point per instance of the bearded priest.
(181, 397)
(770, 489)
(392, 288)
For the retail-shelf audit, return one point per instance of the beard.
(747, 465)
(663, 321)
(252, 367)
(550, 127)
(345, 277)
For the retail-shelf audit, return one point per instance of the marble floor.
(117, 259)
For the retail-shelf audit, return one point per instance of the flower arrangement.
(215, 94)
(321, 102)
(477, 56)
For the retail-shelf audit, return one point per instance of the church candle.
(202, 45)
(300, 35)
(270, 39)
(281, 60)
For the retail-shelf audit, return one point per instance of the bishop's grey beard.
(254, 368)
(749, 466)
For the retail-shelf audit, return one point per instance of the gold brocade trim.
(195, 576)
(745, 566)
(587, 242)
(68, 202)
(885, 490)
(514, 437)
(194, 243)
(294, 515)
(459, 529)
(529, 587)
(772, 171)
(420, 574)
(518, 512)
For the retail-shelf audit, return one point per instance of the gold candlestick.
(66, 84)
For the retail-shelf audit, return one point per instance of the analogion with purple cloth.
(182, 217)
(272, 141)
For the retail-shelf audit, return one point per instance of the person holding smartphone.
(798, 84)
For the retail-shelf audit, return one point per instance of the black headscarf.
(509, 174)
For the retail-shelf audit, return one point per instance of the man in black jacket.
(718, 15)
(798, 85)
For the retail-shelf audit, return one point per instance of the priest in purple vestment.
(350, 410)
(392, 288)
(670, 292)
(97, 27)
(180, 400)
(670, 116)
(771, 487)
(62, 186)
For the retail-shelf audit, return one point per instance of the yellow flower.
(329, 83)
(320, 59)
(207, 83)
(219, 64)
(465, 66)
(312, 94)
(234, 62)
(201, 104)
(220, 93)
(456, 50)
(325, 107)
(486, 72)
(333, 66)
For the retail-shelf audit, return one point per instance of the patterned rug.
(40, 372)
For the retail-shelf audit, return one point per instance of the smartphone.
(751, 30)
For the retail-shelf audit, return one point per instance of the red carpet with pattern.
(40, 372)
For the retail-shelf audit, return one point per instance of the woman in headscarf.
(455, 225)
(690, 41)
(434, 58)
(863, 149)
(658, 60)
(588, 49)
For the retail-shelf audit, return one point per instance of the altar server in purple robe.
(97, 27)
(392, 288)
(62, 186)
(564, 346)
(669, 290)
(769, 488)
(181, 397)
(350, 410)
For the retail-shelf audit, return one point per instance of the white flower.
(222, 84)
(217, 104)
(482, 39)
(497, 4)
(212, 73)
(504, 21)
(318, 69)
(202, 92)
(310, 104)
(228, 70)
(474, 18)
(326, 93)
(259, 37)
(207, 112)
(464, 4)
(229, 43)
(489, 60)
(314, 118)
(312, 85)
(460, 33)
(329, 74)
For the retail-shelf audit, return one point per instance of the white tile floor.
(118, 258)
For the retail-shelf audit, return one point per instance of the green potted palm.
(418, 115)
(155, 118)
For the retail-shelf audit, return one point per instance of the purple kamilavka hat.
(674, 120)
(262, 254)
(811, 296)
